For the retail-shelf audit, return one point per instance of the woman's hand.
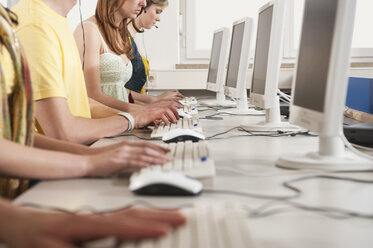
(174, 95)
(123, 156)
(29, 229)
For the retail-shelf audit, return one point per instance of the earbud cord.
(81, 24)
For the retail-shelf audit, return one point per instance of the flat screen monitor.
(238, 66)
(313, 67)
(212, 76)
(263, 39)
(235, 54)
(216, 71)
(266, 71)
(320, 85)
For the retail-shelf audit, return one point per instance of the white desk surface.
(255, 158)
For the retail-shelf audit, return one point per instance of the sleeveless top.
(140, 70)
(16, 102)
(114, 73)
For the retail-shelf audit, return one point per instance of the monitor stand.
(273, 122)
(220, 101)
(242, 109)
(332, 156)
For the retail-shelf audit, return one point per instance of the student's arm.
(173, 95)
(92, 67)
(33, 163)
(25, 228)
(144, 114)
(51, 144)
(56, 120)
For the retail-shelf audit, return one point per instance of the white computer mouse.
(183, 114)
(182, 134)
(160, 182)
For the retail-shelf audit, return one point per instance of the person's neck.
(61, 7)
(138, 24)
(131, 29)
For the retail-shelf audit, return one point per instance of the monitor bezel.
(329, 122)
(240, 90)
(219, 85)
(275, 55)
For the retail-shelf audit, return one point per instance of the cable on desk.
(353, 149)
(274, 134)
(90, 210)
(366, 148)
(332, 212)
(249, 174)
(212, 117)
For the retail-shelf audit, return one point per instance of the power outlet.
(153, 79)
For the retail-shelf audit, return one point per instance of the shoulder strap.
(106, 49)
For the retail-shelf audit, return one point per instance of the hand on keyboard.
(222, 225)
(185, 123)
(191, 159)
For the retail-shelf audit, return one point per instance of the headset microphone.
(155, 26)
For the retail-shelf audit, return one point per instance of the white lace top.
(114, 73)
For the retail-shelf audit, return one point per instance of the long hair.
(120, 44)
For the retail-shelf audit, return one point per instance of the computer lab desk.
(246, 165)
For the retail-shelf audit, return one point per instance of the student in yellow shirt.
(63, 110)
(25, 228)
(50, 159)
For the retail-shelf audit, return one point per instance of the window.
(363, 36)
(362, 44)
(203, 17)
(199, 28)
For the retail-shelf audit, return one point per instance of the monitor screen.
(262, 51)
(314, 54)
(235, 55)
(215, 57)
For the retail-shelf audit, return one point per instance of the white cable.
(248, 174)
(284, 100)
(363, 147)
(353, 149)
(283, 95)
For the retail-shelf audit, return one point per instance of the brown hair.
(105, 11)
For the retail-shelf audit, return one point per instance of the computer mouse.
(182, 134)
(165, 183)
(182, 114)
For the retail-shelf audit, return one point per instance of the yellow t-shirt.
(52, 54)
(8, 69)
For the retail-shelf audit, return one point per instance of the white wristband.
(129, 117)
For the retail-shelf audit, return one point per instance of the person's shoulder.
(91, 31)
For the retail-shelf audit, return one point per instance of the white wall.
(88, 9)
(162, 44)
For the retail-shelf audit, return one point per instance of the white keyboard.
(191, 159)
(222, 225)
(162, 129)
(189, 101)
(191, 109)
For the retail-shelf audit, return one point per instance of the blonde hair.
(104, 15)
(162, 3)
